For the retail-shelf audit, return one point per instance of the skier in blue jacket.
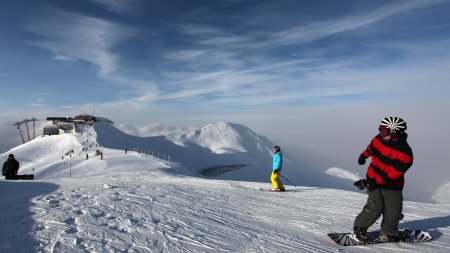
(276, 169)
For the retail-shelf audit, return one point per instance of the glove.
(361, 184)
(362, 159)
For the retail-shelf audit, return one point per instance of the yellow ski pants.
(276, 181)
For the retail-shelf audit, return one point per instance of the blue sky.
(291, 70)
(215, 54)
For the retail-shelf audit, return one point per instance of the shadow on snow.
(16, 221)
(430, 225)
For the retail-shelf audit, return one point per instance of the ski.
(272, 190)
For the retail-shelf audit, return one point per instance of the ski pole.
(288, 181)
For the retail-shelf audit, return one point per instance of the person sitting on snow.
(10, 169)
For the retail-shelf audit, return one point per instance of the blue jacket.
(277, 161)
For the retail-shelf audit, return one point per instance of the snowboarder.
(10, 169)
(391, 156)
(276, 170)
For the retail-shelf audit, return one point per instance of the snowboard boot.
(393, 238)
(389, 238)
(361, 234)
(404, 235)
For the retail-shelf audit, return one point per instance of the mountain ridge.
(214, 145)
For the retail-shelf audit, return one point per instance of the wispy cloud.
(73, 36)
(220, 66)
(118, 6)
(314, 31)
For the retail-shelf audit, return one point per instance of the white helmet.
(394, 124)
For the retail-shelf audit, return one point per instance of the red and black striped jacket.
(389, 163)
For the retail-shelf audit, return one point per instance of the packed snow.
(102, 190)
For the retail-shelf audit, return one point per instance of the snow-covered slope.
(218, 147)
(135, 202)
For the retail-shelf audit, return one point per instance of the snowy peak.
(221, 138)
(224, 138)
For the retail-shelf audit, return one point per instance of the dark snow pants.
(382, 202)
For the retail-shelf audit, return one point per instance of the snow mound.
(75, 155)
(341, 173)
(43, 151)
(442, 195)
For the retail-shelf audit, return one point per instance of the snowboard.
(27, 177)
(406, 235)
